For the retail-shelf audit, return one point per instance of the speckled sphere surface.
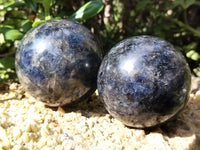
(58, 61)
(144, 81)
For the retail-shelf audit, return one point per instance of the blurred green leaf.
(197, 71)
(17, 14)
(1, 39)
(188, 3)
(7, 74)
(7, 62)
(3, 75)
(39, 1)
(13, 34)
(88, 10)
(142, 4)
(190, 46)
(178, 3)
(4, 28)
(193, 55)
(13, 5)
(26, 25)
(197, 3)
(31, 4)
(37, 22)
(183, 3)
(47, 5)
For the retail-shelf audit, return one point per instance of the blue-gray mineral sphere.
(58, 61)
(144, 81)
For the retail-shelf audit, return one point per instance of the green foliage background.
(177, 21)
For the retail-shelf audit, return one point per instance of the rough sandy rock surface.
(26, 124)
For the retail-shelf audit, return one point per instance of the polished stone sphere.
(144, 81)
(58, 61)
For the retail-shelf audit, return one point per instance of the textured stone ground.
(26, 124)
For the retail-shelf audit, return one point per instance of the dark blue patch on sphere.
(144, 81)
(58, 61)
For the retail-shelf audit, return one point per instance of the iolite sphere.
(144, 81)
(58, 61)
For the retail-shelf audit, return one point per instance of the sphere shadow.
(89, 107)
(184, 125)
